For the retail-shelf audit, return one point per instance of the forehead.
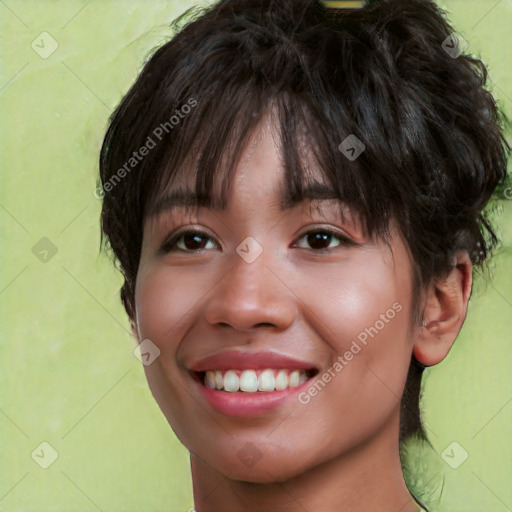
(185, 199)
(259, 173)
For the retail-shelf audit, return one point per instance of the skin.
(339, 451)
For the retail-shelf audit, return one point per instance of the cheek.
(347, 301)
(363, 312)
(165, 304)
(165, 300)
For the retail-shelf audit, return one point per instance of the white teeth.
(266, 381)
(251, 381)
(210, 380)
(231, 381)
(219, 381)
(293, 379)
(281, 380)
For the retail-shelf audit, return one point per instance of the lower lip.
(242, 404)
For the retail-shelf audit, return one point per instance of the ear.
(444, 312)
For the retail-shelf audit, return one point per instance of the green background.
(68, 373)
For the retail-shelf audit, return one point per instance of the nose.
(251, 295)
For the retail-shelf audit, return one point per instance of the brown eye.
(188, 241)
(320, 239)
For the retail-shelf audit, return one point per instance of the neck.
(369, 477)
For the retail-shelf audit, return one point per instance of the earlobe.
(444, 312)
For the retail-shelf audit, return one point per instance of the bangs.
(199, 165)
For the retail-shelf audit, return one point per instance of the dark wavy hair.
(434, 137)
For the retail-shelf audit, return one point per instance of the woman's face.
(339, 303)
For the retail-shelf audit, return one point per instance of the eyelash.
(170, 245)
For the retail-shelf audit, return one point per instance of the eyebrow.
(187, 199)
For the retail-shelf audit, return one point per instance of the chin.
(261, 469)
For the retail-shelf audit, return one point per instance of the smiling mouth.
(253, 381)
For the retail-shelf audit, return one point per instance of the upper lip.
(243, 360)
